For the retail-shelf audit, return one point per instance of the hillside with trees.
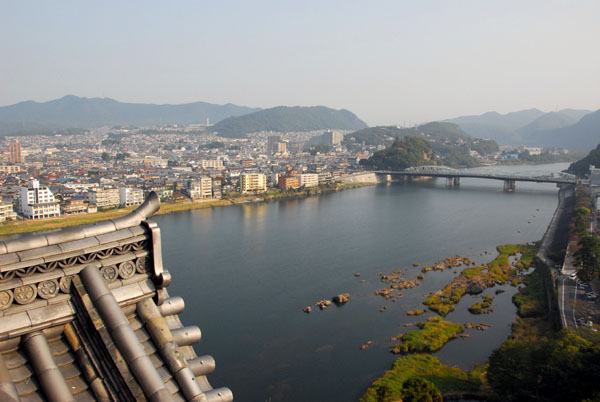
(582, 167)
(403, 153)
(288, 119)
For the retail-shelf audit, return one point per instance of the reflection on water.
(246, 272)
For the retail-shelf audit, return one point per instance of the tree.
(106, 156)
(588, 256)
(420, 390)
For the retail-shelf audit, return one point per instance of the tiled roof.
(85, 315)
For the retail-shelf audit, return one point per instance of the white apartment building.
(200, 189)
(308, 179)
(7, 212)
(253, 183)
(105, 198)
(130, 196)
(211, 164)
(37, 202)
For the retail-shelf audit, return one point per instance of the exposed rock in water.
(323, 304)
(341, 299)
(498, 291)
(415, 264)
(308, 309)
(480, 327)
(421, 276)
(475, 286)
(357, 274)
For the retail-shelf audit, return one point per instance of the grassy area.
(499, 271)
(531, 301)
(26, 226)
(482, 306)
(446, 379)
(432, 335)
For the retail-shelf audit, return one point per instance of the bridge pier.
(509, 185)
(452, 182)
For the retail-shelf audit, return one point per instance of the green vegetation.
(446, 379)
(381, 135)
(287, 119)
(588, 256)
(531, 300)
(582, 167)
(404, 153)
(482, 306)
(499, 271)
(432, 335)
(560, 367)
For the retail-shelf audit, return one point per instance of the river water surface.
(247, 271)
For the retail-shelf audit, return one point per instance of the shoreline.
(31, 226)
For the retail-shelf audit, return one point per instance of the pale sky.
(390, 62)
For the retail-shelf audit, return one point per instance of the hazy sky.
(387, 61)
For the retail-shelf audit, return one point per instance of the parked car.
(573, 275)
(591, 295)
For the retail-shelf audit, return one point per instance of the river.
(247, 271)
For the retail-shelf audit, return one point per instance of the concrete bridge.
(453, 176)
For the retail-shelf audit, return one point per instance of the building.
(253, 183)
(308, 179)
(325, 177)
(7, 212)
(93, 321)
(272, 142)
(74, 206)
(288, 182)
(105, 197)
(200, 189)
(14, 149)
(211, 164)
(594, 176)
(8, 169)
(37, 202)
(129, 197)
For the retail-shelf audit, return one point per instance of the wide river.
(247, 271)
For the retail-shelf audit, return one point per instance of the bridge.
(453, 176)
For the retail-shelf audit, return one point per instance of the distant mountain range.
(288, 119)
(536, 128)
(74, 112)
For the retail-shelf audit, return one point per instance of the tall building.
(253, 183)
(15, 152)
(130, 196)
(272, 142)
(105, 198)
(308, 179)
(37, 202)
(200, 189)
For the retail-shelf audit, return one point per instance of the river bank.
(26, 226)
(536, 319)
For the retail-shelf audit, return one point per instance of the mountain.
(548, 121)
(581, 136)
(501, 128)
(288, 119)
(74, 112)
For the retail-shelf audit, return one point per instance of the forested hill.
(403, 153)
(288, 119)
(582, 167)
(385, 135)
(74, 112)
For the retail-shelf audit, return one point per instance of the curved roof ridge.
(150, 205)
